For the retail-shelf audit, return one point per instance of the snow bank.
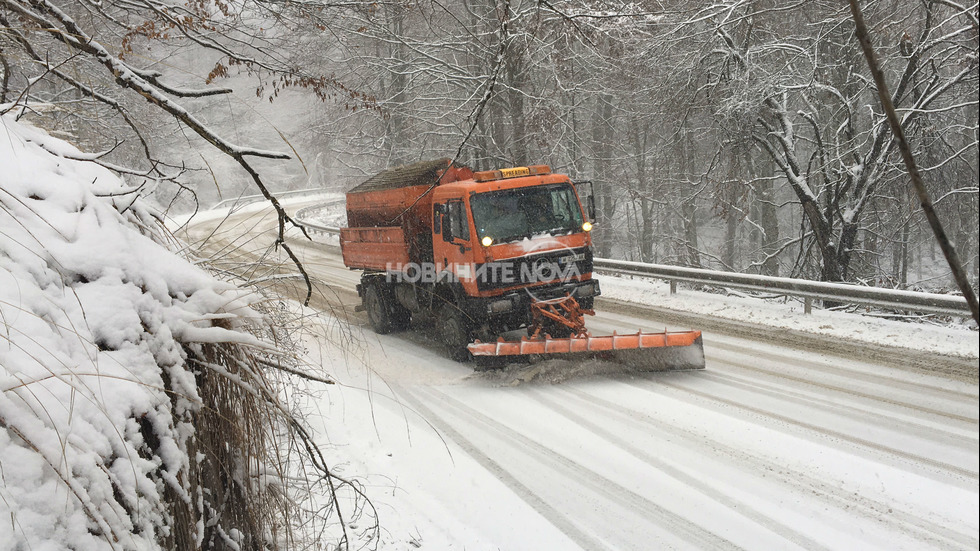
(95, 313)
(954, 340)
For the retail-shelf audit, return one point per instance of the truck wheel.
(377, 311)
(384, 314)
(452, 331)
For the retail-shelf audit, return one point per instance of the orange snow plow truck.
(483, 255)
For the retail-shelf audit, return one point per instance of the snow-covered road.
(768, 448)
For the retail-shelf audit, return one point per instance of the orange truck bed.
(390, 215)
(374, 248)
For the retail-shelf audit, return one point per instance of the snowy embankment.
(98, 321)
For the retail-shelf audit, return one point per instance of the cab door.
(454, 251)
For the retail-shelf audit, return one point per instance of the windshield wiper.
(562, 229)
(511, 238)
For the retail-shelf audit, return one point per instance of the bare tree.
(949, 251)
(236, 34)
(808, 99)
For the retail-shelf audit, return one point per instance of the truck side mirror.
(589, 200)
(447, 228)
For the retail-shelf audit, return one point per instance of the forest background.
(738, 135)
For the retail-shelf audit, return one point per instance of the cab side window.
(459, 226)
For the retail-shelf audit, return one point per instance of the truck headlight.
(487, 241)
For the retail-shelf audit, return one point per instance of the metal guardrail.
(931, 303)
(248, 199)
(303, 215)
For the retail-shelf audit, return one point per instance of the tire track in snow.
(682, 527)
(728, 362)
(881, 420)
(902, 385)
(942, 470)
(727, 501)
(551, 514)
(799, 481)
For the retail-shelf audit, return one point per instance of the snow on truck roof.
(423, 173)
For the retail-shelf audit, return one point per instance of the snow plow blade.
(667, 351)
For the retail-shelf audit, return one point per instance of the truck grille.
(549, 267)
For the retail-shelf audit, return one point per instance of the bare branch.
(949, 251)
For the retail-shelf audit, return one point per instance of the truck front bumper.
(519, 301)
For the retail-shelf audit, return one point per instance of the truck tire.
(383, 312)
(452, 330)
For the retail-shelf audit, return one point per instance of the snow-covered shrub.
(132, 415)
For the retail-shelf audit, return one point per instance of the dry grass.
(254, 478)
(294, 500)
(230, 458)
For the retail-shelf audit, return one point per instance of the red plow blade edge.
(669, 350)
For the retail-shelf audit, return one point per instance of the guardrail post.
(807, 305)
(673, 286)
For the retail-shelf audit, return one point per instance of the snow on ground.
(254, 204)
(601, 459)
(427, 491)
(767, 448)
(955, 340)
(93, 313)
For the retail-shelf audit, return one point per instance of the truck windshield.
(512, 214)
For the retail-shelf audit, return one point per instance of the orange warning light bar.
(515, 172)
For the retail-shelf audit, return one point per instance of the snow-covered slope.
(94, 314)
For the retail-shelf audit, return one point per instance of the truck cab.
(481, 254)
(471, 251)
(512, 235)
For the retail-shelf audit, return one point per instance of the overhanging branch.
(949, 251)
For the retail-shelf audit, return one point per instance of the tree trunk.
(903, 274)
(641, 139)
(690, 212)
(769, 220)
(396, 130)
(515, 70)
(731, 231)
(848, 236)
(646, 233)
(602, 148)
